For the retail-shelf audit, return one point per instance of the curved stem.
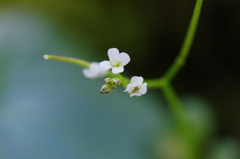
(181, 120)
(187, 43)
(123, 80)
(174, 103)
(68, 59)
(155, 83)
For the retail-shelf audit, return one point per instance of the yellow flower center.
(115, 62)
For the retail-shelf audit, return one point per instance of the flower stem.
(124, 80)
(181, 121)
(174, 102)
(155, 83)
(187, 43)
(67, 59)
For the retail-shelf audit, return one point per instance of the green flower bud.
(108, 80)
(116, 81)
(111, 83)
(105, 89)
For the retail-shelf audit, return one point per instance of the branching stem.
(164, 83)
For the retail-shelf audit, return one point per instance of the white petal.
(116, 70)
(89, 74)
(129, 88)
(94, 65)
(135, 94)
(105, 65)
(125, 59)
(94, 71)
(143, 89)
(113, 52)
(97, 69)
(135, 80)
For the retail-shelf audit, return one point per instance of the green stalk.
(123, 80)
(187, 43)
(68, 59)
(181, 121)
(154, 83)
(174, 102)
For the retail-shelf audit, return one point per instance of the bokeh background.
(49, 110)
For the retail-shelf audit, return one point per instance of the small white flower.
(136, 87)
(94, 71)
(117, 61)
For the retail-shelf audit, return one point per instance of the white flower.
(117, 61)
(94, 71)
(136, 87)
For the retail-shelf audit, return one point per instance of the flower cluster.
(116, 62)
(111, 83)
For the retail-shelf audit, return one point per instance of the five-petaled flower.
(136, 87)
(117, 61)
(94, 71)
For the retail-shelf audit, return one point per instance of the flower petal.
(116, 70)
(94, 71)
(143, 89)
(94, 65)
(124, 57)
(96, 68)
(105, 65)
(129, 88)
(88, 73)
(135, 80)
(135, 94)
(113, 52)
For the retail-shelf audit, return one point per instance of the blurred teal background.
(49, 110)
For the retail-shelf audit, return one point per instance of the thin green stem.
(155, 83)
(123, 80)
(68, 59)
(174, 103)
(187, 43)
(182, 123)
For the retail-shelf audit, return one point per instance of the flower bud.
(105, 89)
(108, 80)
(111, 83)
(116, 81)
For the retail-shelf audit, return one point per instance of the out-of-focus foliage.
(224, 149)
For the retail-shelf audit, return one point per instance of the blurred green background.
(49, 110)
